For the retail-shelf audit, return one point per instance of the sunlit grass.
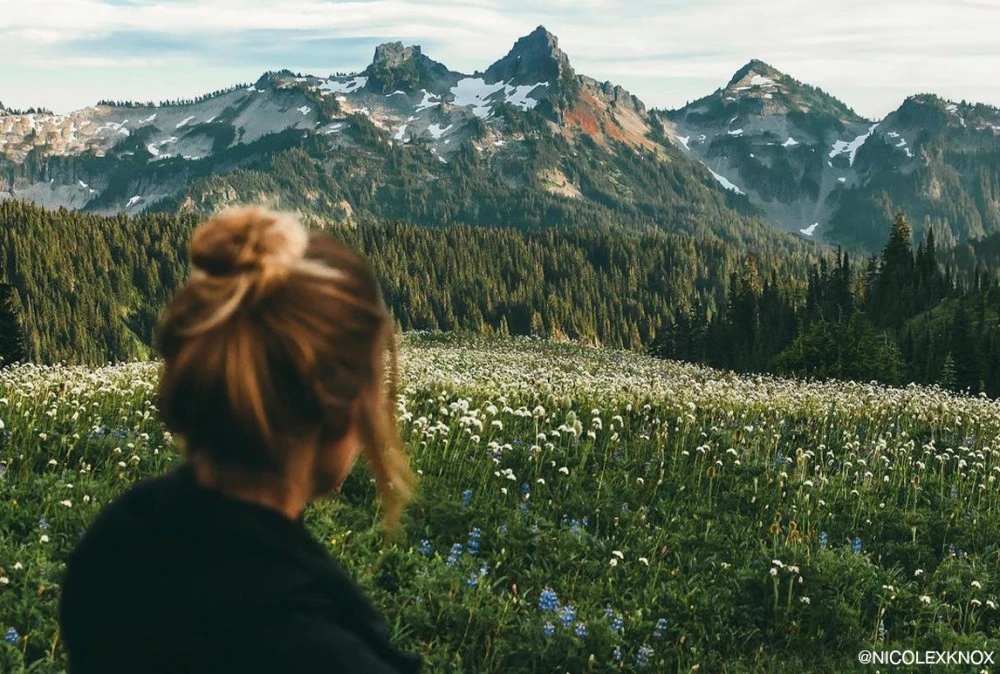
(674, 516)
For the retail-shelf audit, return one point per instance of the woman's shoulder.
(135, 510)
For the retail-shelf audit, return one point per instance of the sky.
(68, 54)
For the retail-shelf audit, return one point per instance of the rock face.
(536, 57)
(395, 67)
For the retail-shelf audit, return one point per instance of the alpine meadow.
(705, 389)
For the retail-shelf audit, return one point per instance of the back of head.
(276, 333)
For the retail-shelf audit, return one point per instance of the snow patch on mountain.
(436, 130)
(851, 147)
(725, 183)
(427, 101)
(474, 92)
(790, 142)
(808, 231)
(337, 87)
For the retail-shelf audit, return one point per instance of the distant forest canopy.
(172, 102)
(896, 318)
(85, 288)
(90, 288)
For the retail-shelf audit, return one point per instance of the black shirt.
(174, 577)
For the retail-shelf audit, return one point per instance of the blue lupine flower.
(608, 613)
(547, 600)
(502, 530)
(43, 524)
(454, 555)
(779, 458)
(959, 553)
(624, 507)
(951, 549)
(661, 626)
(425, 547)
(11, 636)
(823, 540)
(584, 522)
(617, 654)
(525, 490)
(472, 580)
(574, 528)
(466, 498)
(548, 629)
(522, 507)
(643, 656)
(618, 625)
(483, 570)
(580, 630)
(567, 614)
(856, 545)
(954, 491)
(534, 528)
(473, 542)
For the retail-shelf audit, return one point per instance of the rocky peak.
(395, 66)
(534, 58)
(755, 73)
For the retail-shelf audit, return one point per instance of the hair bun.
(246, 239)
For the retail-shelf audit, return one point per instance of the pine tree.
(895, 288)
(12, 334)
(947, 377)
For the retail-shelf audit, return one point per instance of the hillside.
(92, 287)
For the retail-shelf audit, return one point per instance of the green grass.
(655, 490)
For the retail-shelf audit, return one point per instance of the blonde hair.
(277, 332)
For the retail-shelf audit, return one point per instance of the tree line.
(902, 316)
(91, 287)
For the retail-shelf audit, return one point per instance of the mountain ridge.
(779, 147)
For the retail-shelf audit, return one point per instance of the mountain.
(936, 159)
(785, 144)
(536, 57)
(527, 142)
(816, 167)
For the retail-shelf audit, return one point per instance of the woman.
(273, 381)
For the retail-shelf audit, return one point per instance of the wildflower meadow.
(582, 510)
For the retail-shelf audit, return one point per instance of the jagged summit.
(534, 58)
(755, 71)
(397, 67)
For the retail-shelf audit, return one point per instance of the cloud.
(666, 51)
